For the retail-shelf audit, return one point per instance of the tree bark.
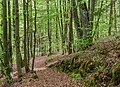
(70, 33)
(110, 18)
(61, 26)
(28, 34)
(17, 40)
(48, 26)
(34, 35)
(76, 20)
(115, 19)
(31, 28)
(5, 42)
(10, 33)
(25, 38)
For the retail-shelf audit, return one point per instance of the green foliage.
(3, 68)
(94, 68)
(35, 76)
(1, 62)
(78, 69)
(75, 76)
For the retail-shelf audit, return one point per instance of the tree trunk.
(13, 19)
(17, 40)
(65, 38)
(115, 19)
(10, 33)
(5, 43)
(98, 19)
(48, 24)
(31, 28)
(70, 33)
(28, 34)
(61, 27)
(25, 38)
(76, 20)
(84, 17)
(92, 13)
(57, 26)
(110, 18)
(34, 35)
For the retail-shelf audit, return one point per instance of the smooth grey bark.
(25, 37)
(48, 27)
(17, 39)
(70, 32)
(115, 17)
(10, 34)
(110, 18)
(65, 27)
(57, 25)
(61, 25)
(28, 34)
(34, 47)
(31, 29)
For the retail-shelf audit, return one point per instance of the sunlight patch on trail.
(40, 69)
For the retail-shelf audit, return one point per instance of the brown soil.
(46, 77)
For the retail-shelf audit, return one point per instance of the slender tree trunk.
(65, 10)
(31, 28)
(76, 20)
(115, 15)
(39, 46)
(89, 3)
(34, 35)
(70, 33)
(13, 19)
(5, 42)
(48, 24)
(92, 13)
(10, 33)
(25, 38)
(2, 62)
(57, 36)
(28, 34)
(119, 7)
(110, 18)
(84, 17)
(57, 26)
(119, 13)
(61, 28)
(17, 40)
(98, 19)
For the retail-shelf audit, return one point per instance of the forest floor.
(46, 77)
(96, 66)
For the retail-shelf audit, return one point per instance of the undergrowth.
(97, 66)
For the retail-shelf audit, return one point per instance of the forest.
(59, 43)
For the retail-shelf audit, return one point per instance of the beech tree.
(33, 28)
(33, 61)
(25, 37)
(5, 42)
(10, 34)
(17, 39)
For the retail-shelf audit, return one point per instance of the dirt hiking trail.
(46, 77)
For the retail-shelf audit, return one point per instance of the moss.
(95, 70)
